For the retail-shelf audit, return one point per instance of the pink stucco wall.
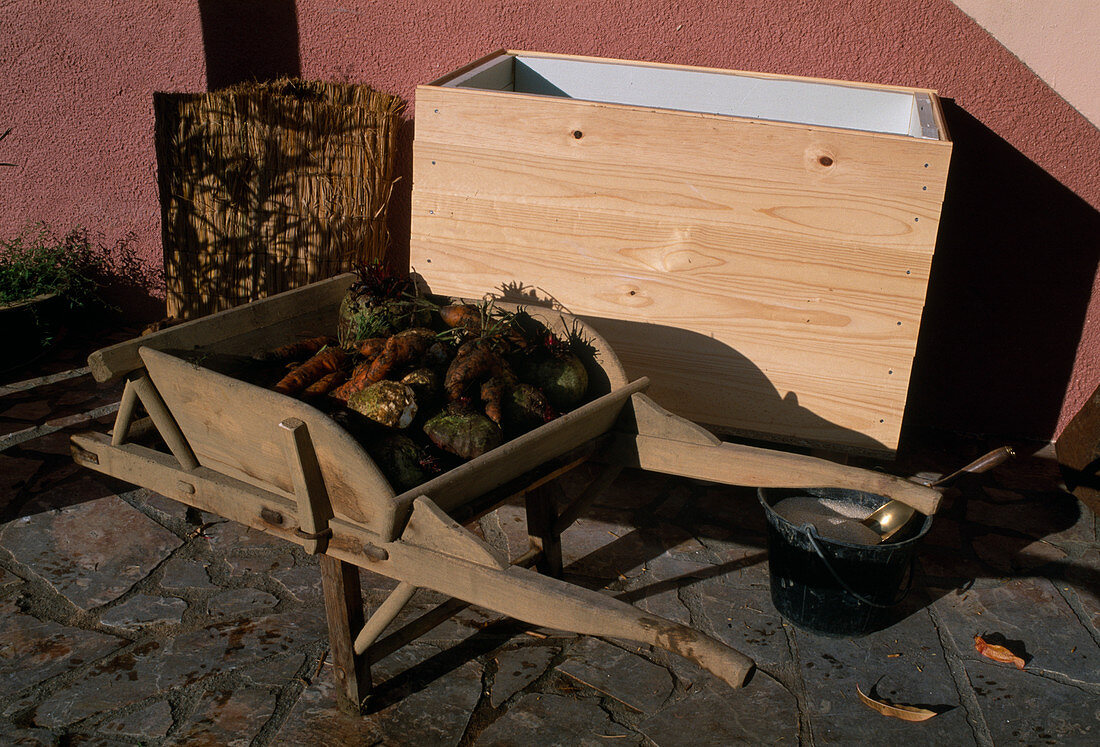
(1011, 338)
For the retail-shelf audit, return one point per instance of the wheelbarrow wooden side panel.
(233, 427)
(261, 325)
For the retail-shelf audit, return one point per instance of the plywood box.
(758, 245)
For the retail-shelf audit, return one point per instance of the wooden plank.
(412, 630)
(245, 329)
(721, 209)
(737, 464)
(747, 152)
(429, 526)
(382, 617)
(202, 488)
(314, 509)
(125, 417)
(344, 613)
(591, 492)
(769, 278)
(166, 424)
(234, 428)
(733, 361)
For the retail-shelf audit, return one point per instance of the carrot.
(325, 384)
(355, 383)
(406, 348)
(298, 349)
(370, 347)
(325, 361)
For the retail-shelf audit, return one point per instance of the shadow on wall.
(249, 40)
(1010, 285)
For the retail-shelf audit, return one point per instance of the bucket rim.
(775, 518)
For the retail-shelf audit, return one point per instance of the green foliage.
(37, 262)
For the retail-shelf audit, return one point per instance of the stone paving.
(126, 618)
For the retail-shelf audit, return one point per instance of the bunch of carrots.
(425, 397)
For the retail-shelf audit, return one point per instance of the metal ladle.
(890, 517)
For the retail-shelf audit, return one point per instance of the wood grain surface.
(769, 278)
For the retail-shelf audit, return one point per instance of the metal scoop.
(891, 516)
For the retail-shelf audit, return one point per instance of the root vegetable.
(379, 302)
(493, 392)
(464, 433)
(359, 379)
(298, 349)
(526, 408)
(473, 364)
(324, 362)
(405, 349)
(370, 347)
(425, 384)
(401, 461)
(387, 403)
(324, 385)
(562, 378)
(465, 315)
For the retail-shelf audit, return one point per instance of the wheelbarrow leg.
(344, 612)
(542, 520)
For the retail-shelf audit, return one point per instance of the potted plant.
(43, 278)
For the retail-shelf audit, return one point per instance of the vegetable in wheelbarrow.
(402, 460)
(380, 302)
(388, 403)
(464, 433)
(422, 384)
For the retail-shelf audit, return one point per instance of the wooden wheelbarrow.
(281, 466)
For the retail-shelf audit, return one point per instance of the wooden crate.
(758, 245)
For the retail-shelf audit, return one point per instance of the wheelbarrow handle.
(664, 442)
(739, 464)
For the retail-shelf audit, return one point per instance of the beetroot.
(464, 433)
(401, 460)
(561, 377)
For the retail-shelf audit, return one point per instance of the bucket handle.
(811, 534)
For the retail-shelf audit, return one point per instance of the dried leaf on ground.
(997, 653)
(904, 712)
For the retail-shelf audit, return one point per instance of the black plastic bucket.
(831, 587)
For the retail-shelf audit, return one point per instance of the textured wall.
(1058, 40)
(1008, 332)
